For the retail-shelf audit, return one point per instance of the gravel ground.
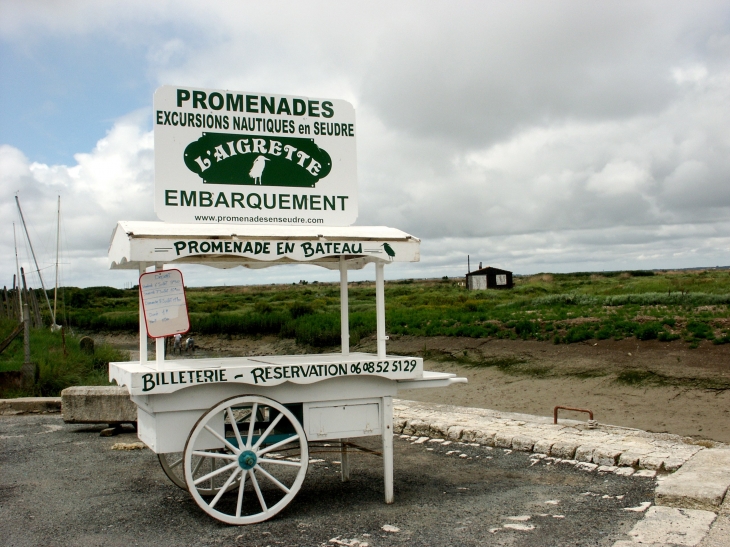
(64, 485)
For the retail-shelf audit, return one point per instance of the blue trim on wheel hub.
(247, 459)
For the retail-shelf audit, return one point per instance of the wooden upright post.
(387, 428)
(344, 461)
(380, 308)
(344, 309)
(142, 324)
(159, 342)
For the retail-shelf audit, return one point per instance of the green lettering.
(299, 202)
(171, 195)
(234, 103)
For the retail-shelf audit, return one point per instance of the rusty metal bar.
(555, 412)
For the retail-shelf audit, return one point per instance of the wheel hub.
(247, 459)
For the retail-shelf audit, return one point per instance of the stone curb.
(30, 405)
(686, 501)
(702, 483)
(620, 449)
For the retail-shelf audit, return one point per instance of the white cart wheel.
(259, 456)
(172, 465)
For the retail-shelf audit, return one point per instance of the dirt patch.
(651, 385)
(654, 386)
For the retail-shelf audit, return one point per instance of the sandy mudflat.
(679, 390)
(684, 395)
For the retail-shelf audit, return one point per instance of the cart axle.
(247, 460)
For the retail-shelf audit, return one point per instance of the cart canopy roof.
(136, 244)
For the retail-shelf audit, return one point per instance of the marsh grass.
(57, 369)
(648, 378)
(563, 308)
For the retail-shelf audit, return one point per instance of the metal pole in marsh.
(26, 333)
(28, 370)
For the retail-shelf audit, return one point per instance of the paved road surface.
(63, 485)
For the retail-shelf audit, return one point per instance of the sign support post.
(142, 323)
(159, 342)
(380, 307)
(344, 308)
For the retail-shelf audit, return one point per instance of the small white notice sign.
(164, 304)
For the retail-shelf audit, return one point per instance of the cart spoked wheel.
(172, 465)
(259, 457)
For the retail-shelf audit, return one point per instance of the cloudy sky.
(534, 136)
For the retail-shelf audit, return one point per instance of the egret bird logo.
(388, 250)
(257, 169)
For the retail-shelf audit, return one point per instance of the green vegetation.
(57, 369)
(561, 308)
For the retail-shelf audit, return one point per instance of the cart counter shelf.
(324, 388)
(237, 432)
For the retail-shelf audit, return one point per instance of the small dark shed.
(489, 278)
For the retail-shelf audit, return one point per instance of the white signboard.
(253, 158)
(163, 302)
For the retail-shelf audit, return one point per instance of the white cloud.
(111, 183)
(531, 135)
(619, 177)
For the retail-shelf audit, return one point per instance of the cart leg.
(387, 429)
(345, 461)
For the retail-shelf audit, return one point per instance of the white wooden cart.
(237, 432)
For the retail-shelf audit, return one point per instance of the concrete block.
(672, 464)
(412, 425)
(455, 432)
(468, 435)
(606, 456)
(439, 430)
(503, 439)
(667, 525)
(607, 468)
(523, 443)
(485, 438)
(564, 450)
(543, 446)
(651, 462)
(646, 473)
(29, 405)
(701, 483)
(97, 405)
(719, 535)
(629, 459)
(585, 466)
(422, 430)
(625, 471)
(584, 453)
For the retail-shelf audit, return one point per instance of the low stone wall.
(607, 446)
(97, 405)
(29, 405)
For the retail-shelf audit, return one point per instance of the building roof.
(489, 269)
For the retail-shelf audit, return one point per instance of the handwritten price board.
(164, 304)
